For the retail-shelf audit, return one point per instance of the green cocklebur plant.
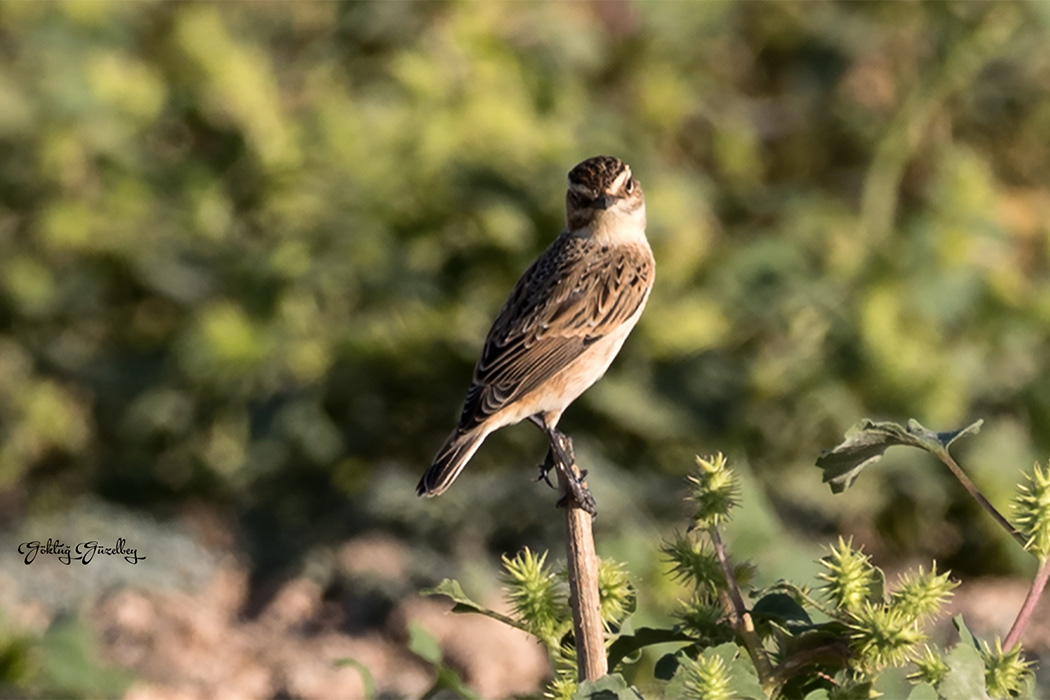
(778, 650)
(1032, 516)
(538, 595)
(715, 491)
(883, 631)
(539, 600)
(850, 576)
(930, 667)
(706, 677)
(850, 634)
(1032, 506)
(1006, 673)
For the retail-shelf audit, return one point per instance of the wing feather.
(577, 292)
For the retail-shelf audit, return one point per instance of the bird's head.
(600, 188)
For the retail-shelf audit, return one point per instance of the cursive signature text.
(83, 552)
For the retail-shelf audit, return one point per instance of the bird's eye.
(629, 187)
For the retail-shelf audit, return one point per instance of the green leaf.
(366, 676)
(782, 608)
(422, 644)
(727, 651)
(452, 588)
(745, 679)
(464, 604)
(923, 691)
(608, 687)
(868, 440)
(965, 679)
(946, 439)
(820, 694)
(965, 637)
(893, 683)
(627, 644)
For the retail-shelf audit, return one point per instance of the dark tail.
(449, 462)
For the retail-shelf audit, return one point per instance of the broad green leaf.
(893, 683)
(727, 651)
(781, 607)
(609, 687)
(745, 678)
(820, 694)
(965, 680)
(627, 644)
(868, 440)
(923, 691)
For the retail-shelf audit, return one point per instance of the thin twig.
(979, 497)
(1030, 601)
(723, 560)
(745, 625)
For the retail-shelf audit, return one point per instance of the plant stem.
(1030, 601)
(979, 497)
(583, 584)
(745, 625)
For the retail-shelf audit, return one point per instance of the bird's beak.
(604, 201)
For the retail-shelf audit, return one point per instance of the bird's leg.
(549, 461)
(562, 456)
(545, 468)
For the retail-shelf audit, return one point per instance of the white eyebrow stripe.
(620, 180)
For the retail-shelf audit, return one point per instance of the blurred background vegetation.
(249, 251)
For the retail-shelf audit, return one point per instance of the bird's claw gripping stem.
(562, 456)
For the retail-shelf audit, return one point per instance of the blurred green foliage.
(248, 252)
(64, 662)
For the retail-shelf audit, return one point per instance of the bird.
(563, 323)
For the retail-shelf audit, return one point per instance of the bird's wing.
(577, 292)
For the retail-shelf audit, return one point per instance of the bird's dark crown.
(598, 185)
(596, 174)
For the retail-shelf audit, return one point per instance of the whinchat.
(565, 320)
